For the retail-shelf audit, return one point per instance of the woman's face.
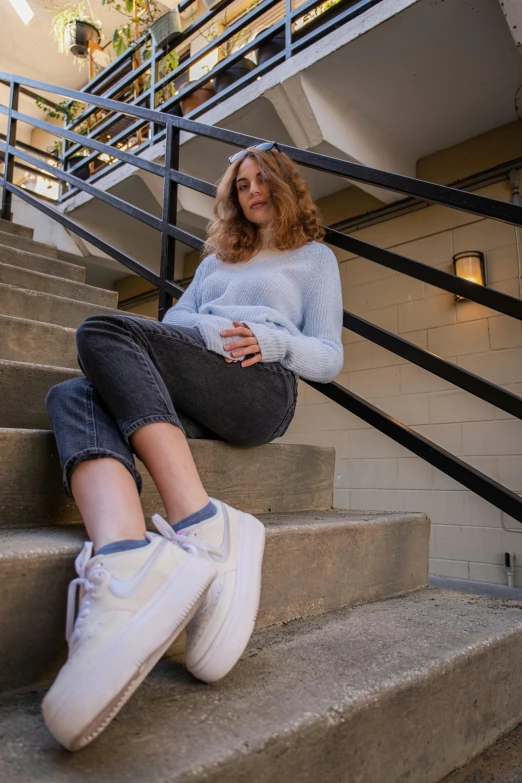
(253, 192)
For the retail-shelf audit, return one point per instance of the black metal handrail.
(479, 483)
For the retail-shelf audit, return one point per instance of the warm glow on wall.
(203, 66)
(470, 265)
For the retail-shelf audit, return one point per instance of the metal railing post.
(153, 80)
(288, 29)
(170, 209)
(9, 160)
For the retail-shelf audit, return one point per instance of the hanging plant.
(140, 16)
(66, 110)
(73, 28)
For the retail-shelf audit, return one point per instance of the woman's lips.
(259, 205)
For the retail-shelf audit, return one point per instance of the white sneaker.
(133, 604)
(233, 542)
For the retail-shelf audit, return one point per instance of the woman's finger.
(246, 350)
(243, 331)
(239, 343)
(253, 360)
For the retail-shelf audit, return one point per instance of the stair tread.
(26, 259)
(346, 691)
(59, 286)
(31, 245)
(37, 367)
(16, 318)
(48, 308)
(8, 227)
(38, 541)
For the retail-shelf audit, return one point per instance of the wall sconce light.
(470, 265)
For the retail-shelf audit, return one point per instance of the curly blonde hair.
(294, 218)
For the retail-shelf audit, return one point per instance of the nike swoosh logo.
(124, 589)
(222, 551)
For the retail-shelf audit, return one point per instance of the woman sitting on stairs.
(263, 309)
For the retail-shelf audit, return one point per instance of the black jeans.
(140, 371)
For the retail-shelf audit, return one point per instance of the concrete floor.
(501, 763)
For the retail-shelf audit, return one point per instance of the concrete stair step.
(49, 284)
(399, 690)
(384, 555)
(51, 309)
(47, 266)
(277, 477)
(22, 243)
(15, 228)
(35, 380)
(33, 341)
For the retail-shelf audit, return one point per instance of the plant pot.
(166, 28)
(175, 111)
(78, 35)
(232, 74)
(202, 95)
(82, 172)
(270, 47)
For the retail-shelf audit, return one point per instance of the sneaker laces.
(90, 584)
(188, 543)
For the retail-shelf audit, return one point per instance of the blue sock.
(122, 546)
(198, 516)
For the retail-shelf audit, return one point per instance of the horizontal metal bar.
(114, 201)
(504, 211)
(111, 148)
(126, 157)
(31, 94)
(327, 25)
(28, 170)
(106, 126)
(186, 238)
(479, 387)
(232, 88)
(32, 149)
(405, 206)
(499, 496)
(450, 197)
(122, 258)
(310, 5)
(102, 195)
(488, 297)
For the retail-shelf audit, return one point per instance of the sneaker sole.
(138, 654)
(232, 638)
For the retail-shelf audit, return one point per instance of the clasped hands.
(246, 345)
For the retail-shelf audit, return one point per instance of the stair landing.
(401, 690)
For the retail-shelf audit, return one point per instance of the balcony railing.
(142, 75)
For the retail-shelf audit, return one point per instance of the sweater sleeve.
(185, 311)
(316, 353)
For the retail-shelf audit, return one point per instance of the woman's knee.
(93, 332)
(66, 394)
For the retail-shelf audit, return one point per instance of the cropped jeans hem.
(90, 454)
(130, 429)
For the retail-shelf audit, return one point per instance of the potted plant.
(270, 47)
(73, 28)
(243, 66)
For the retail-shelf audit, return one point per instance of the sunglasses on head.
(267, 145)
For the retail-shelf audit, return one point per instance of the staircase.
(357, 671)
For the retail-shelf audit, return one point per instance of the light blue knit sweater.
(290, 299)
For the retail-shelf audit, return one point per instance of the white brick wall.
(469, 536)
